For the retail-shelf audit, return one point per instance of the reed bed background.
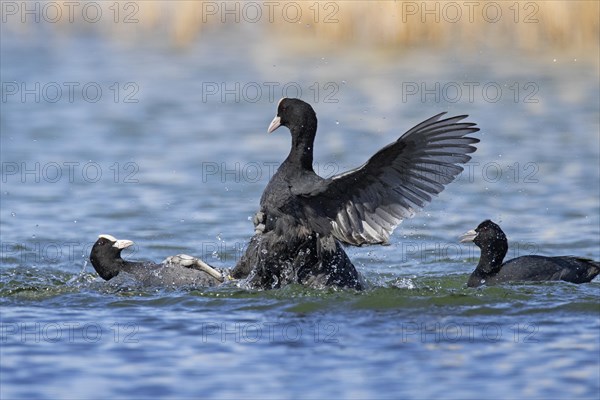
(527, 25)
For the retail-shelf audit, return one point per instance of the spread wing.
(366, 204)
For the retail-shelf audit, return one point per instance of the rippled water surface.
(181, 170)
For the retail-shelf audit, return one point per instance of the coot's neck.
(108, 269)
(301, 153)
(492, 255)
(477, 278)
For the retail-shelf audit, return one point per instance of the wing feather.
(367, 203)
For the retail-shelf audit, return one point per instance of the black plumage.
(175, 271)
(491, 270)
(304, 219)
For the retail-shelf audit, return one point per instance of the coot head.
(294, 114)
(106, 255)
(489, 238)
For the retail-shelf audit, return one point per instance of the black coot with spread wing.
(175, 271)
(491, 271)
(304, 219)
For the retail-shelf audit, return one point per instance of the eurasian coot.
(304, 219)
(175, 271)
(491, 271)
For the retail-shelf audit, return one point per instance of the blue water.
(174, 155)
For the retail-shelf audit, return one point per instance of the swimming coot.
(491, 271)
(180, 270)
(304, 219)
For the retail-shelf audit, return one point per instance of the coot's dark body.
(492, 271)
(175, 271)
(304, 219)
(272, 260)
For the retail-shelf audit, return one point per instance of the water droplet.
(75, 221)
(13, 214)
(219, 238)
(337, 122)
(264, 251)
(182, 220)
